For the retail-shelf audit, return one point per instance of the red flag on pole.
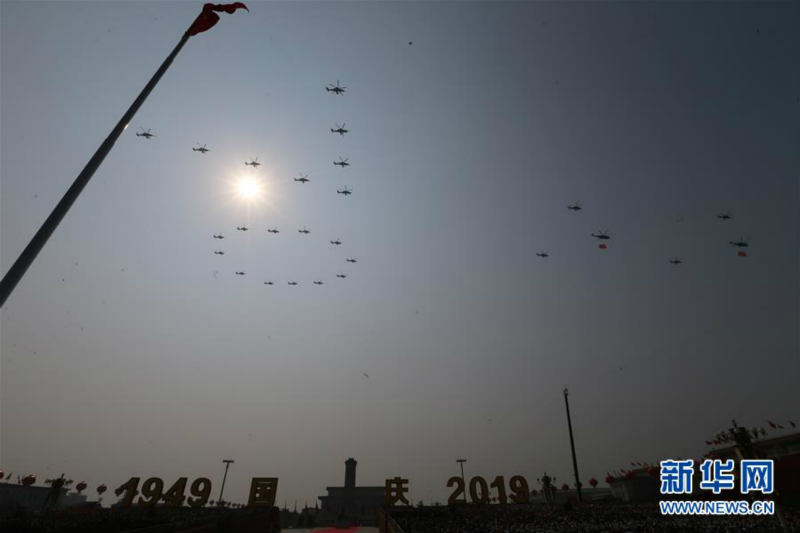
(208, 18)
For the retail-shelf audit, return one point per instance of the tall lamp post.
(572, 445)
(224, 477)
(464, 483)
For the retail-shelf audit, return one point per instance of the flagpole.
(38, 241)
(572, 446)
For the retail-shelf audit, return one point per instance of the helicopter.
(219, 252)
(345, 191)
(575, 207)
(292, 283)
(342, 162)
(339, 129)
(602, 235)
(268, 283)
(543, 254)
(239, 273)
(741, 243)
(676, 261)
(201, 149)
(304, 230)
(303, 178)
(241, 228)
(273, 230)
(341, 276)
(254, 163)
(218, 236)
(725, 216)
(318, 283)
(337, 242)
(145, 134)
(336, 89)
(351, 260)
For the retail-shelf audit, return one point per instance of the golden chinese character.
(262, 491)
(395, 491)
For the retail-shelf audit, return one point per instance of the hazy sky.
(130, 349)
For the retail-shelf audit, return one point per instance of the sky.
(130, 349)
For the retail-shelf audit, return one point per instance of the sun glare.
(249, 189)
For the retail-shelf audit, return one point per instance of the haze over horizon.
(130, 349)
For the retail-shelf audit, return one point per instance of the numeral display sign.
(481, 492)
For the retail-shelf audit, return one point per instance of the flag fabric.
(207, 18)
(772, 424)
(793, 424)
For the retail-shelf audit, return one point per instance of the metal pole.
(461, 462)
(222, 488)
(38, 241)
(572, 445)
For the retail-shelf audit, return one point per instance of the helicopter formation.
(604, 235)
(275, 231)
(343, 162)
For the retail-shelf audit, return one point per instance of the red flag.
(602, 246)
(772, 424)
(709, 443)
(207, 18)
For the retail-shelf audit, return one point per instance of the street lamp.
(463, 482)
(227, 464)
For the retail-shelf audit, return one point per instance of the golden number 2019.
(479, 490)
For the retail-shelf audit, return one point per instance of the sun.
(249, 189)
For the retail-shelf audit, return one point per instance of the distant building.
(350, 504)
(15, 497)
(640, 485)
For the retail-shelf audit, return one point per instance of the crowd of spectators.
(605, 517)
